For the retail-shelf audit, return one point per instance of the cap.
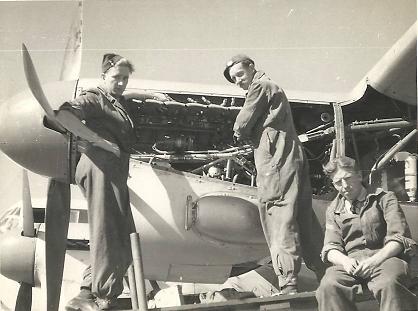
(239, 58)
(109, 61)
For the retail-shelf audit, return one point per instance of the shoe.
(84, 301)
(106, 303)
(287, 290)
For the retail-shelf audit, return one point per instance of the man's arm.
(338, 258)
(334, 250)
(333, 238)
(391, 249)
(73, 124)
(366, 267)
(397, 227)
(71, 113)
(256, 104)
(397, 239)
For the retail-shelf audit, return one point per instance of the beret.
(239, 58)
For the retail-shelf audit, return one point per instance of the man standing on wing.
(290, 226)
(102, 177)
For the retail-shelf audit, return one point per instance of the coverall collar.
(109, 96)
(339, 207)
(258, 74)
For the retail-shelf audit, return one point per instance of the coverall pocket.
(348, 223)
(269, 185)
(276, 142)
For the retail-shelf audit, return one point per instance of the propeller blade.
(64, 119)
(56, 229)
(27, 212)
(24, 298)
(34, 84)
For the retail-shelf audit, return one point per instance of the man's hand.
(366, 267)
(236, 139)
(71, 122)
(350, 265)
(83, 146)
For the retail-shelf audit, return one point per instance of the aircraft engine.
(17, 258)
(173, 126)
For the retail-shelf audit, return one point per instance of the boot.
(289, 290)
(84, 301)
(106, 303)
(288, 285)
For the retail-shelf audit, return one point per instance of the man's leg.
(85, 300)
(262, 281)
(279, 163)
(389, 285)
(336, 291)
(281, 231)
(103, 179)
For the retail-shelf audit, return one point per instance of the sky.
(318, 46)
(321, 46)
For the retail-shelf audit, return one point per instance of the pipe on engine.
(410, 170)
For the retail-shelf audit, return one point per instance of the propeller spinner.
(18, 252)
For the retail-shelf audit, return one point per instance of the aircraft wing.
(395, 75)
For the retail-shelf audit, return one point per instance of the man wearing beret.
(290, 226)
(102, 177)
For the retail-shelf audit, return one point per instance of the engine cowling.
(227, 218)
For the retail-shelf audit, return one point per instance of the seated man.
(367, 239)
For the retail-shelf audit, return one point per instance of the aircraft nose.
(27, 141)
(17, 258)
(16, 127)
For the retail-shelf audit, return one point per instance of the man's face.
(116, 79)
(242, 75)
(347, 183)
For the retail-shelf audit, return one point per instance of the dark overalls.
(290, 226)
(102, 177)
(362, 235)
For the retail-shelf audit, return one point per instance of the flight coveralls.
(102, 177)
(360, 235)
(285, 196)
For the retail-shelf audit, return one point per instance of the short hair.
(341, 162)
(126, 63)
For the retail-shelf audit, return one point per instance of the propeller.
(64, 119)
(27, 212)
(24, 296)
(58, 201)
(57, 212)
(56, 228)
